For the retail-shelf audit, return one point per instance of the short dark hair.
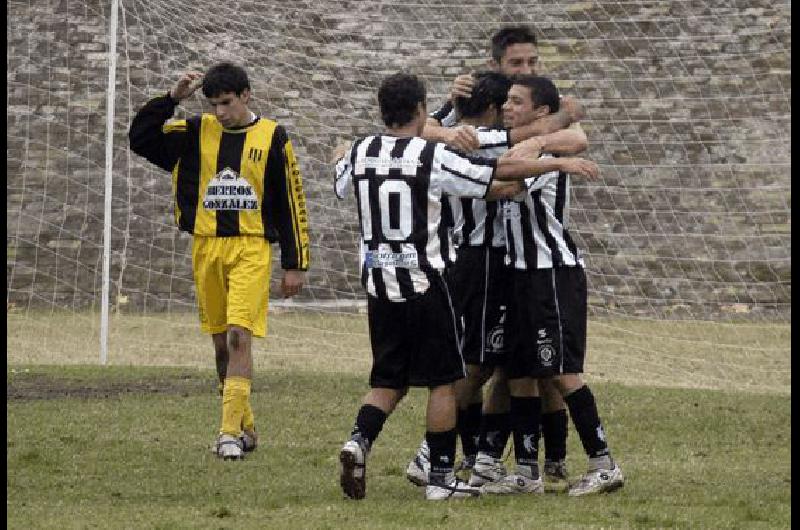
(489, 88)
(225, 77)
(543, 90)
(508, 36)
(398, 98)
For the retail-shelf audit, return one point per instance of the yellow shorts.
(232, 275)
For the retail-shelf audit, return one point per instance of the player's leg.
(554, 434)
(469, 396)
(466, 282)
(212, 299)
(603, 473)
(220, 341)
(467, 425)
(376, 407)
(441, 436)
(526, 406)
(388, 380)
(249, 438)
(435, 361)
(247, 272)
(495, 430)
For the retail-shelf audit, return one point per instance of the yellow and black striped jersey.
(228, 182)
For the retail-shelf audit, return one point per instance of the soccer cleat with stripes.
(512, 485)
(353, 459)
(486, 469)
(228, 447)
(555, 476)
(598, 481)
(455, 488)
(419, 467)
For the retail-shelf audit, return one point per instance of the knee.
(567, 383)
(238, 338)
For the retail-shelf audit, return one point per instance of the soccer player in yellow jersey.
(237, 190)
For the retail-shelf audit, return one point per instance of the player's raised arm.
(155, 138)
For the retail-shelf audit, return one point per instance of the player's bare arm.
(504, 190)
(463, 137)
(186, 85)
(524, 160)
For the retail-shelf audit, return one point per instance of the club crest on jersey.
(229, 191)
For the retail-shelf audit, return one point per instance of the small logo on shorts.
(494, 342)
(546, 354)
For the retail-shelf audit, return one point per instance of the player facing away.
(237, 190)
(479, 278)
(513, 52)
(401, 183)
(547, 314)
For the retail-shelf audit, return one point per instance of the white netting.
(688, 114)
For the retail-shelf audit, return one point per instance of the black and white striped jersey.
(401, 186)
(478, 222)
(446, 115)
(536, 224)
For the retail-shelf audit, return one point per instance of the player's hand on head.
(571, 106)
(292, 282)
(580, 166)
(186, 85)
(462, 86)
(464, 138)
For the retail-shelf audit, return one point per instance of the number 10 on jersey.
(392, 210)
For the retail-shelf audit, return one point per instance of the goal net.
(686, 236)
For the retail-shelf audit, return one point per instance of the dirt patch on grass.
(32, 386)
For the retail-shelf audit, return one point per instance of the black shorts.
(480, 283)
(414, 343)
(546, 323)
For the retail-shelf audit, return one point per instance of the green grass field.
(127, 446)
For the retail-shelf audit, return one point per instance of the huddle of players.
(517, 283)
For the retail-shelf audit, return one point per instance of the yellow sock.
(235, 397)
(248, 420)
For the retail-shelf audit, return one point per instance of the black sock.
(554, 432)
(443, 453)
(468, 426)
(526, 415)
(495, 431)
(583, 410)
(369, 423)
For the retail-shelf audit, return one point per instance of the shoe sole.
(352, 486)
(608, 489)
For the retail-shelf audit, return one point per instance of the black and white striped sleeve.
(344, 171)
(494, 139)
(461, 175)
(445, 115)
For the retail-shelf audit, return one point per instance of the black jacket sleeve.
(284, 199)
(151, 137)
